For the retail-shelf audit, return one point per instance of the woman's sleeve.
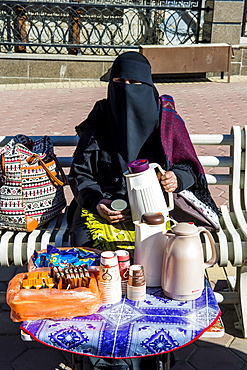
(83, 173)
(185, 176)
(82, 179)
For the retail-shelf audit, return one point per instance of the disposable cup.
(136, 293)
(111, 292)
(118, 205)
(136, 275)
(109, 274)
(109, 258)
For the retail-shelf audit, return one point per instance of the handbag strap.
(2, 165)
(53, 178)
(60, 168)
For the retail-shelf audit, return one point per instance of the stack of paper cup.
(109, 278)
(136, 287)
(124, 265)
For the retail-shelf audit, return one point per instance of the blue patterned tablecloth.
(128, 328)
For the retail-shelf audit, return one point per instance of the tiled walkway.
(54, 109)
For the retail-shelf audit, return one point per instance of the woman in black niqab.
(132, 107)
(120, 129)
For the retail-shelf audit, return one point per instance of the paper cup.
(111, 292)
(136, 293)
(109, 259)
(109, 274)
(118, 205)
(136, 276)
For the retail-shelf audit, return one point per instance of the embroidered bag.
(188, 208)
(31, 193)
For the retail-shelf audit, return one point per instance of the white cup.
(118, 205)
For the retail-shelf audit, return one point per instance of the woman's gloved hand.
(105, 211)
(168, 181)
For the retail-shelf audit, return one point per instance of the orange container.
(33, 304)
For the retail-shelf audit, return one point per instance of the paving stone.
(11, 348)
(182, 366)
(6, 367)
(224, 341)
(215, 357)
(239, 346)
(183, 353)
(39, 359)
(7, 326)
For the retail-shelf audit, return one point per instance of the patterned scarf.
(177, 145)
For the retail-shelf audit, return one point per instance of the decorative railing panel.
(96, 28)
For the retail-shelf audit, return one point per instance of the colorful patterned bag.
(31, 193)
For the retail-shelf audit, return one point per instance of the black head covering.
(132, 108)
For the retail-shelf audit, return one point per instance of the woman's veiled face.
(126, 81)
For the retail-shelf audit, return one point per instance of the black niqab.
(132, 108)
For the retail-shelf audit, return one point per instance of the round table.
(131, 328)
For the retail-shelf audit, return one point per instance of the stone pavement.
(209, 106)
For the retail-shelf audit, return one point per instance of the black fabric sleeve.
(82, 179)
(185, 176)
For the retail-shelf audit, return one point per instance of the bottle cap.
(139, 165)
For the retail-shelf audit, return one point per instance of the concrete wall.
(227, 21)
(239, 62)
(23, 68)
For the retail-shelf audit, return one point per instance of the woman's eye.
(121, 80)
(134, 82)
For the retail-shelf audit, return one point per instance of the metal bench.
(17, 247)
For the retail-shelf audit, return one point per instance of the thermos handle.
(214, 257)
(170, 205)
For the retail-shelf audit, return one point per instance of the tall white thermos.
(144, 190)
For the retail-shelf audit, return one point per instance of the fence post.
(244, 30)
(74, 31)
(20, 28)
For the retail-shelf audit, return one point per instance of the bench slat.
(18, 250)
(213, 139)
(216, 161)
(197, 139)
(57, 140)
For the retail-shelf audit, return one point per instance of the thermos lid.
(184, 228)
(153, 218)
(139, 165)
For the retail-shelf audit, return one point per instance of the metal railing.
(100, 27)
(244, 23)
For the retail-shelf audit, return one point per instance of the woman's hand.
(168, 181)
(104, 210)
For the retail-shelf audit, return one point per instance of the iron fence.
(244, 23)
(101, 27)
